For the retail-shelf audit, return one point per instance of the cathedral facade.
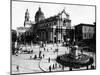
(53, 29)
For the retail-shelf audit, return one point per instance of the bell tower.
(26, 17)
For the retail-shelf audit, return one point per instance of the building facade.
(55, 29)
(52, 29)
(84, 32)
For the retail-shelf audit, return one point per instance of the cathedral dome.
(39, 15)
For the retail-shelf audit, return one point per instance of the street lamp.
(67, 42)
(37, 37)
(74, 38)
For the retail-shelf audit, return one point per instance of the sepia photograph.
(52, 37)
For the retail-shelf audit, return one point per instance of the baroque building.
(39, 15)
(53, 29)
(25, 33)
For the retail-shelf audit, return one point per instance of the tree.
(14, 36)
(13, 39)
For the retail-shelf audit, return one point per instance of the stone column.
(44, 35)
(59, 36)
(53, 33)
(62, 35)
(48, 36)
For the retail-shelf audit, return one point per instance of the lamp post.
(56, 50)
(76, 51)
(68, 40)
(74, 38)
(37, 38)
(67, 44)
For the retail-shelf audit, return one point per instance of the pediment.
(64, 15)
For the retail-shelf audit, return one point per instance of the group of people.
(42, 55)
(55, 66)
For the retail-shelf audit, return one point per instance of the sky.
(78, 13)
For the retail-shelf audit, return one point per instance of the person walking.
(40, 54)
(87, 67)
(44, 49)
(92, 67)
(17, 67)
(70, 68)
(59, 66)
(56, 65)
(53, 66)
(49, 59)
(43, 55)
(81, 51)
(50, 68)
(62, 67)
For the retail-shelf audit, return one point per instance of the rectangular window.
(84, 35)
